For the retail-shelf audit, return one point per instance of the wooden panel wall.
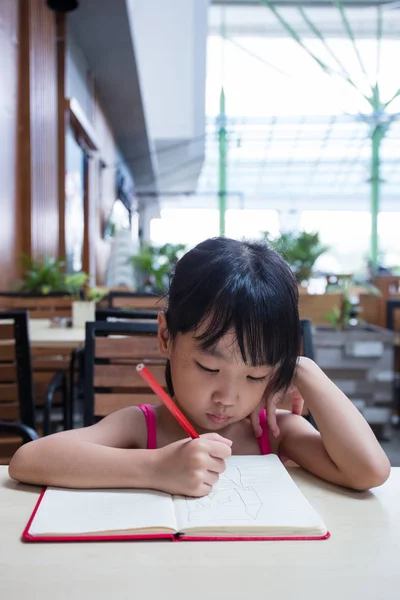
(9, 240)
(43, 130)
(32, 132)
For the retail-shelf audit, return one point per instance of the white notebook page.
(64, 511)
(254, 492)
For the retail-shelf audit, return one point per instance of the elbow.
(14, 466)
(374, 476)
(17, 469)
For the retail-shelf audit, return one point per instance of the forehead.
(226, 347)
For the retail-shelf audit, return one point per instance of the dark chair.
(308, 351)
(112, 350)
(77, 368)
(392, 306)
(45, 362)
(18, 414)
(135, 301)
(392, 323)
(307, 337)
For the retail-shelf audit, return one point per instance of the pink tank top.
(150, 416)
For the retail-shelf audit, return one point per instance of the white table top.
(42, 335)
(359, 562)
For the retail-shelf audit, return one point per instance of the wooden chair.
(46, 362)
(134, 301)
(18, 415)
(112, 350)
(77, 365)
(40, 306)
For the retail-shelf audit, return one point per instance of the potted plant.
(47, 276)
(154, 265)
(84, 305)
(300, 250)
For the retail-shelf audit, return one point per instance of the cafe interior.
(132, 132)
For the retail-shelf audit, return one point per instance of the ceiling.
(96, 26)
(290, 143)
(300, 162)
(309, 3)
(254, 18)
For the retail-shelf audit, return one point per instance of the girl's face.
(213, 387)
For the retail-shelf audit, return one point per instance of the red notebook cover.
(27, 537)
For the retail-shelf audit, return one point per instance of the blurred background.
(131, 130)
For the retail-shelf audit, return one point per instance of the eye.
(250, 378)
(202, 368)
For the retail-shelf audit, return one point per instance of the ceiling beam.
(302, 3)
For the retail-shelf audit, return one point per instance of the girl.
(232, 342)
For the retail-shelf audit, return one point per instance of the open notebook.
(254, 499)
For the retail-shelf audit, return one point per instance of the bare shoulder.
(125, 428)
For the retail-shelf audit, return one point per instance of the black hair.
(242, 286)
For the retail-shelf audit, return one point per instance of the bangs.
(254, 324)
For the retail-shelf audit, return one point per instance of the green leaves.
(42, 277)
(95, 294)
(48, 276)
(74, 283)
(300, 250)
(157, 262)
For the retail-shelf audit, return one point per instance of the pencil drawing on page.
(233, 498)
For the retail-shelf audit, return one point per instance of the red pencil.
(165, 399)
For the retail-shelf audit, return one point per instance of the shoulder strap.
(263, 440)
(150, 416)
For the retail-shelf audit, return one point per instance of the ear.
(164, 339)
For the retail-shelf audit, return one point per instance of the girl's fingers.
(255, 422)
(271, 416)
(297, 401)
(297, 405)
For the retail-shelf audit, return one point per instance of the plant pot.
(83, 311)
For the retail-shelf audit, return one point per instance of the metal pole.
(377, 136)
(222, 146)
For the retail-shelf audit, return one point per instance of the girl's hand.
(291, 400)
(191, 467)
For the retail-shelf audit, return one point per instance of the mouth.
(218, 419)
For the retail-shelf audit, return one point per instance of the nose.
(226, 394)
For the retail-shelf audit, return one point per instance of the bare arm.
(345, 450)
(96, 456)
(112, 454)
